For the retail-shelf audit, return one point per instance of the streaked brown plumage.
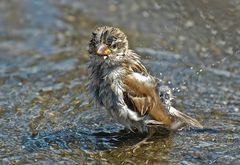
(119, 82)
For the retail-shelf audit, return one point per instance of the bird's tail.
(183, 119)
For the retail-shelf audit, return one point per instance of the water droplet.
(200, 70)
(222, 60)
(189, 23)
(145, 14)
(236, 109)
(169, 82)
(191, 68)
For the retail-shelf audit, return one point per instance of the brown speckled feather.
(145, 99)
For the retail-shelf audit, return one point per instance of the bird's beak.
(103, 50)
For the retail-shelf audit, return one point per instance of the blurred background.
(45, 115)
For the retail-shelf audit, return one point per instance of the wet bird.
(119, 82)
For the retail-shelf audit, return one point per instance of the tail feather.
(183, 117)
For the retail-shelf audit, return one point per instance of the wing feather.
(142, 93)
(141, 96)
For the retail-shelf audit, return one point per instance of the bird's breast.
(110, 87)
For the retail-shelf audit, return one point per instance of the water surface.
(45, 114)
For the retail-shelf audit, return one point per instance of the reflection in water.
(87, 140)
(45, 114)
(100, 145)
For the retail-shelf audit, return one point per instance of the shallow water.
(44, 110)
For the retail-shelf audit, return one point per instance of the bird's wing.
(140, 95)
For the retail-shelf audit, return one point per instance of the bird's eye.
(114, 46)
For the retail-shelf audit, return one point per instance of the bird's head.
(108, 44)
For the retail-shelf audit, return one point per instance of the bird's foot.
(145, 141)
(139, 144)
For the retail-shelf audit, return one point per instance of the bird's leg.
(151, 132)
